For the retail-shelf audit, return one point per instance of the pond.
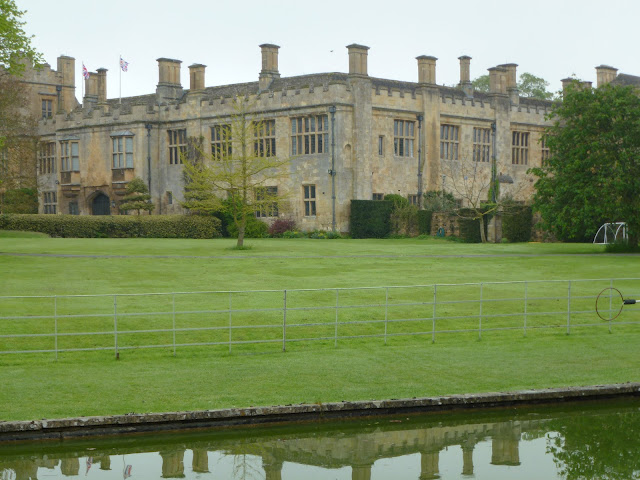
(594, 440)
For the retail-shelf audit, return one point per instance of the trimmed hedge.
(470, 229)
(370, 218)
(517, 224)
(424, 222)
(121, 226)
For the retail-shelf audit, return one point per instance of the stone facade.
(377, 136)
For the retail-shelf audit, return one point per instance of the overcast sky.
(553, 39)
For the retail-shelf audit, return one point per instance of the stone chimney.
(426, 69)
(512, 81)
(358, 59)
(269, 70)
(67, 69)
(169, 87)
(465, 75)
(91, 90)
(497, 81)
(102, 85)
(605, 74)
(196, 77)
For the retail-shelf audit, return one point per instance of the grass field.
(88, 383)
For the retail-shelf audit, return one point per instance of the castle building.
(350, 136)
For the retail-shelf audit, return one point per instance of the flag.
(85, 72)
(124, 65)
(126, 472)
(89, 463)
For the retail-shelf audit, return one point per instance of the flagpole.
(82, 99)
(120, 76)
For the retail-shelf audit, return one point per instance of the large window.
(545, 153)
(122, 152)
(403, 138)
(481, 144)
(267, 202)
(264, 144)
(221, 141)
(309, 135)
(309, 200)
(50, 202)
(449, 142)
(520, 148)
(69, 156)
(177, 145)
(47, 158)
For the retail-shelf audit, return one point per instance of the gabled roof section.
(624, 79)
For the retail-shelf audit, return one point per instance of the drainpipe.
(420, 162)
(148, 127)
(332, 172)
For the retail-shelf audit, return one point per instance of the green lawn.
(88, 383)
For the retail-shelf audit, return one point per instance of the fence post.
(525, 309)
(480, 317)
(569, 309)
(435, 298)
(115, 325)
(55, 326)
(335, 334)
(173, 307)
(284, 323)
(230, 323)
(386, 313)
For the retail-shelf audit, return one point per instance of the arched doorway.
(100, 205)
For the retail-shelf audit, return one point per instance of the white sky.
(552, 39)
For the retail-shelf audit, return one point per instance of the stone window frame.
(413, 199)
(449, 141)
(47, 158)
(381, 145)
(73, 208)
(221, 141)
(545, 151)
(50, 202)
(481, 152)
(47, 108)
(177, 140)
(310, 134)
(520, 147)
(404, 138)
(122, 149)
(69, 155)
(264, 144)
(266, 201)
(309, 200)
(377, 196)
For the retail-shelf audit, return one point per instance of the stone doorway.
(101, 205)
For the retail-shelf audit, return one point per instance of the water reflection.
(587, 441)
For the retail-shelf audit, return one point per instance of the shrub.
(323, 234)
(370, 218)
(293, 234)
(398, 201)
(516, 223)
(404, 220)
(281, 225)
(439, 201)
(20, 200)
(469, 227)
(75, 226)
(424, 222)
(253, 229)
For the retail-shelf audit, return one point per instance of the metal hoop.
(621, 304)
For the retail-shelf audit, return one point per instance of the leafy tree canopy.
(528, 86)
(137, 197)
(15, 45)
(593, 173)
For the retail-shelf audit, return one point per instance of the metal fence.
(280, 318)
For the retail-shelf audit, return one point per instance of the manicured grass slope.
(36, 386)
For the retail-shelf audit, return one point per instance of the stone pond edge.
(229, 417)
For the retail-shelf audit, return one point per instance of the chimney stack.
(427, 69)
(91, 90)
(512, 81)
(498, 81)
(102, 85)
(196, 77)
(358, 59)
(169, 86)
(605, 74)
(465, 75)
(269, 70)
(67, 67)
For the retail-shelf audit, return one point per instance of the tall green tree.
(593, 173)
(137, 197)
(15, 44)
(528, 86)
(242, 165)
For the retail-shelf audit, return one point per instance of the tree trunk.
(483, 237)
(241, 227)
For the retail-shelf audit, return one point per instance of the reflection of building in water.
(358, 449)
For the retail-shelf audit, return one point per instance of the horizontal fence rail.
(282, 318)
